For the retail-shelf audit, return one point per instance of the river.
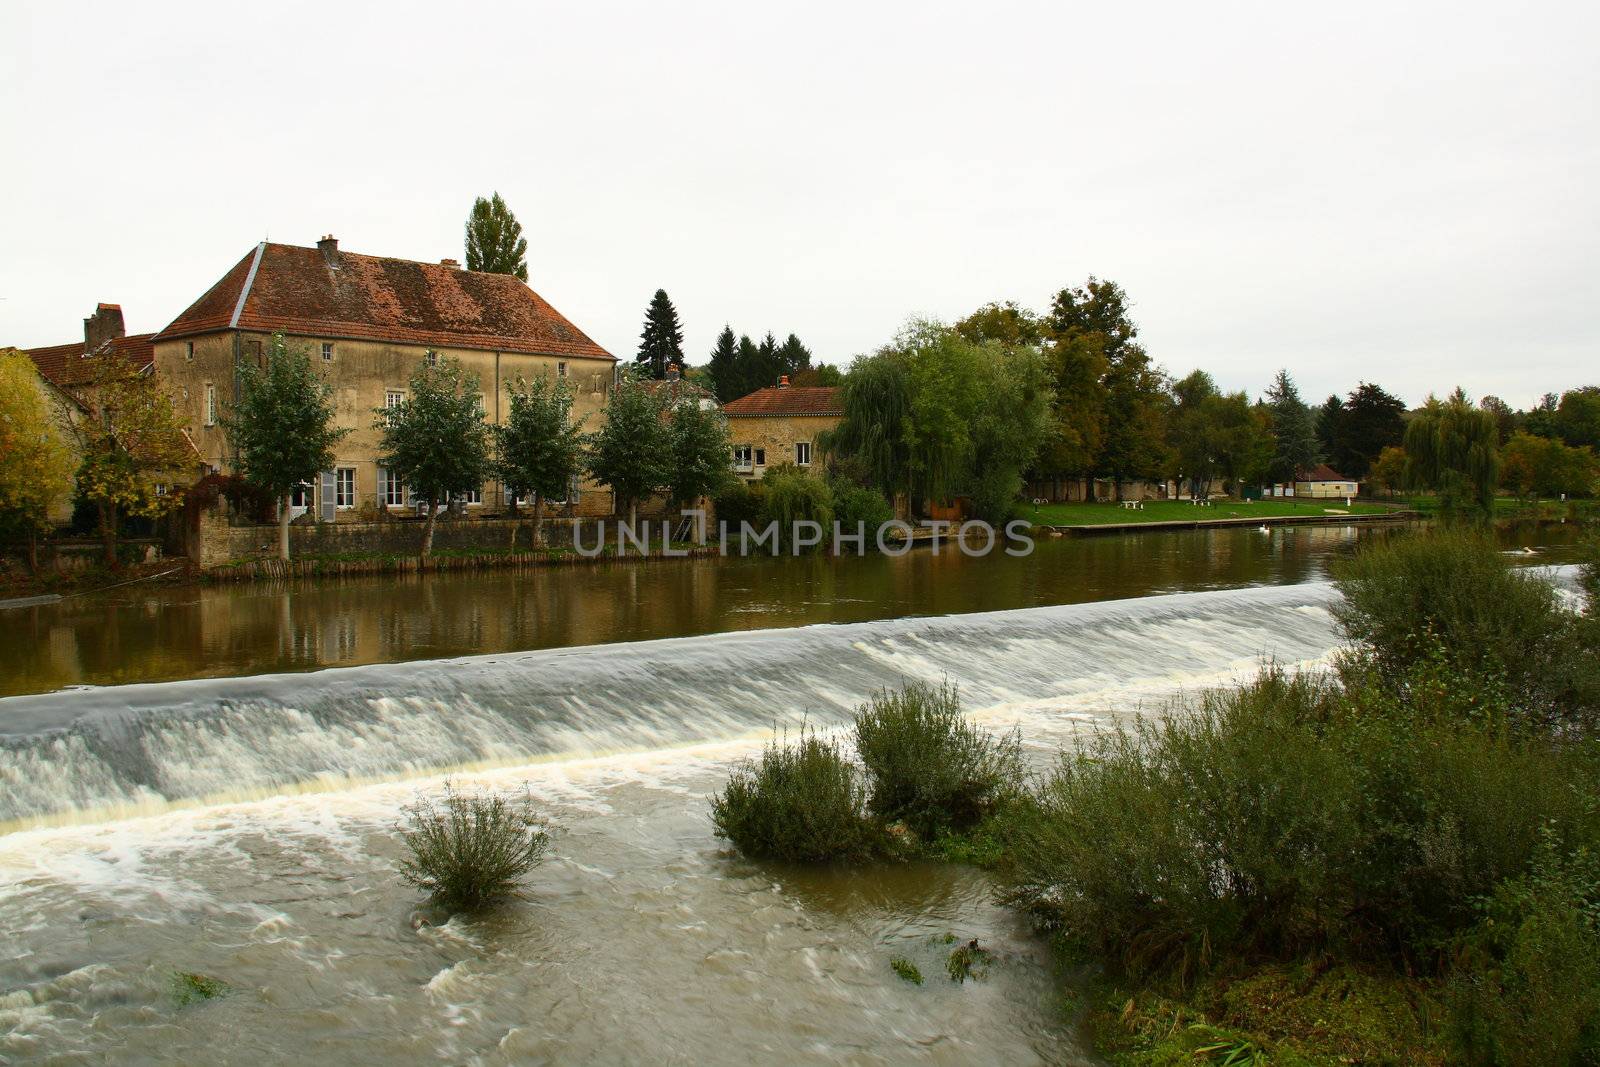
(241, 822)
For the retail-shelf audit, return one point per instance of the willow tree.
(282, 425)
(1453, 448)
(36, 470)
(876, 398)
(435, 439)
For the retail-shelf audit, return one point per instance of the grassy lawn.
(1182, 510)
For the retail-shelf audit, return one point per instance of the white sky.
(1405, 193)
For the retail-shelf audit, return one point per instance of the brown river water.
(233, 812)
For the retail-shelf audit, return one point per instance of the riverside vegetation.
(1395, 861)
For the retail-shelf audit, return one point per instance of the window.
(327, 352)
(483, 406)
(188, 352)
(211, 404)
(393, 489)
(393, 398)
(344, 487)
(802, 453)
(431, 358)
(300, 495)
(741, 457)
(473, 496)
(561, 369)
(161, 489)
(761, 457)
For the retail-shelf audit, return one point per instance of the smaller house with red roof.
(781, 424)
(1321, 482)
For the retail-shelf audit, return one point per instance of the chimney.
(329, 247)
(783, 381)
(104, 325)
(672, 372)
(453, 264)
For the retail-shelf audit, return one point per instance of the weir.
(104, 752)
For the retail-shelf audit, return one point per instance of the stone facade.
(781, 425)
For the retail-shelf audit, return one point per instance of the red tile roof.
(372, 298)
(1321, 473)
(63, 365)
(788, 400)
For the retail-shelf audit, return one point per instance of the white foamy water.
(247, 829)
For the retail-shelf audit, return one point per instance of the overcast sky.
(1402, 193)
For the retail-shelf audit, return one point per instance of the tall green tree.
(1008, 325)
(876, 398)
(1543, 466)
(1578, 417)
(1294, 431)
(661, 340)
(1453, 448)
(435, 440)
(793, 356)
(1095, 316)
(495, 244)
(539, 449)
(723, 368)
(752, 374)
(702, 451)
(282, 426)
(632, 452)
(769, 365)
(1370, 421)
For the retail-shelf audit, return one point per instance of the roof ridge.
(244, 290)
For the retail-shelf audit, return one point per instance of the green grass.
(1183, 511)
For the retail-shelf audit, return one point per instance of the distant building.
(781, 424)
(1321, 482)
(369, 322)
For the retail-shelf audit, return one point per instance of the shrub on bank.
(928, 767)
(470, 851)
(794, 495)
(1450, 600)
(803, 803)
(856, 507)
(739, 503)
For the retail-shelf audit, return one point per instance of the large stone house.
(369, 322)
(780, 424)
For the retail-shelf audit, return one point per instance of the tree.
(632, 452)
(768, 365)
(1452, 447)
(1294, 431)
(37, 469)
(701, 451)
(539, 449)
(876, 399)
(661, 340)
(1371, 421)
(1388, 471)
(723, 369)
(1578, 417)
(1007, 325)
(1095, 316)
(435, 440)
(793, 357)
(751, 374)
(282, 426)
(1077, 429)
(1504, 417)
(134, 450)
(821, 375)
(1534, 466)
(495, 244)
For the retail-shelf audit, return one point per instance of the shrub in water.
(930, 768)
(803, 802)
(470, 851)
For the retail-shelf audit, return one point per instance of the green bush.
(470, 851)
(1528, 988)
(793, 495)
(739, 503)
(1451, 596)
(1282, 819)
(928, 767)
(854, 506)
(803, 803)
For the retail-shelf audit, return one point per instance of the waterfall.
(115, 751)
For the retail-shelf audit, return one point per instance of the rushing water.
(244, 827)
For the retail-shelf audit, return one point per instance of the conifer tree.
(282, 425)
(749, 373)
(723, 370)
(661, 340)
(495, 244)
(793, 356)
(1295, 446)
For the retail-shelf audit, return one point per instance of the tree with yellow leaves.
(136, 459)
(35, 463)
